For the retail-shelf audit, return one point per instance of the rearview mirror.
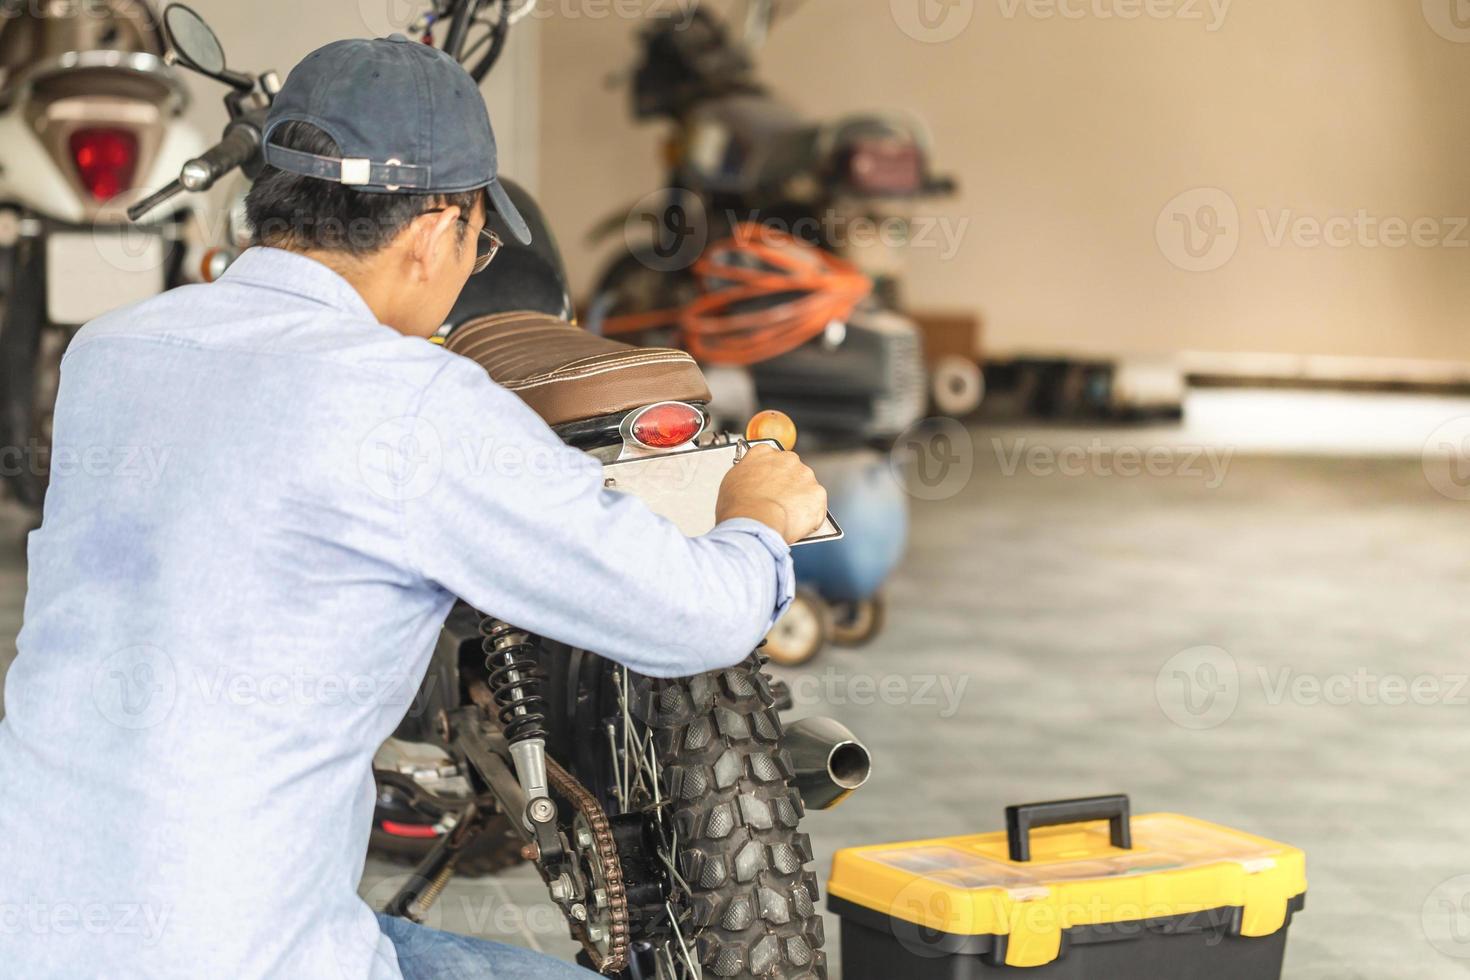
(193, 42)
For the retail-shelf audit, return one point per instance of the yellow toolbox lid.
(1075, 874)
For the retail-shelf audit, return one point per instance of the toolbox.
(1071, 890)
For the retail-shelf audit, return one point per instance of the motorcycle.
(737, 157)
(88, 108)
(662, 815)
(746, 174)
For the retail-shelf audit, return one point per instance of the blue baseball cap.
(409, 120)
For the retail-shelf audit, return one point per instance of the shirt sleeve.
(519, 525)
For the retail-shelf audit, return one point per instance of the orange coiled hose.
(764, 292)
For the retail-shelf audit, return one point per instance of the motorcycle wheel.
(637, 283)
(700, 760)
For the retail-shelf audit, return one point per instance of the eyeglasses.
(486, 247)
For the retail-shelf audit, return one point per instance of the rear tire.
(751, 903)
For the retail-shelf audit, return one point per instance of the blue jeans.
(428, 954)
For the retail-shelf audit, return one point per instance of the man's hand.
(775, 488)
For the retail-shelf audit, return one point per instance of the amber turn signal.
(214, 263)
(772, 425)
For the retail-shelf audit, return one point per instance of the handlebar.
(239, 146)
(941, 187)
(154, 200)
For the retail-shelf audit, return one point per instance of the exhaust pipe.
(830, 762)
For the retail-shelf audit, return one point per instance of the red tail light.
(666, 425)
(106, 160)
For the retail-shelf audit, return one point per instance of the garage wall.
(1072, 126)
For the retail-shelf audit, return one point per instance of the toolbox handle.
(1021, 819)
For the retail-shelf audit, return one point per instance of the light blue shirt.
(263, 505)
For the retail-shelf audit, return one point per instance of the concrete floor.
(1066, 604)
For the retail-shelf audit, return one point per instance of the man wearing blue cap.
(215, 646)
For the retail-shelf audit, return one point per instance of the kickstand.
(429, 879)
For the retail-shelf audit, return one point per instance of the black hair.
(290, 211)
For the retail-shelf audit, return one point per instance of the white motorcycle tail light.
(665, 425)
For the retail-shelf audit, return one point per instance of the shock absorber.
(515, 682)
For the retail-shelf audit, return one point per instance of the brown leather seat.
(567, 374)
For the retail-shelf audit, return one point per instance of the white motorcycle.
(90, 109)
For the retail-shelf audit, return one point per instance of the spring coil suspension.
(515, 680)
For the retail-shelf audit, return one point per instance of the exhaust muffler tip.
(830, 763)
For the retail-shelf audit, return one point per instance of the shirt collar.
(290, 272)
